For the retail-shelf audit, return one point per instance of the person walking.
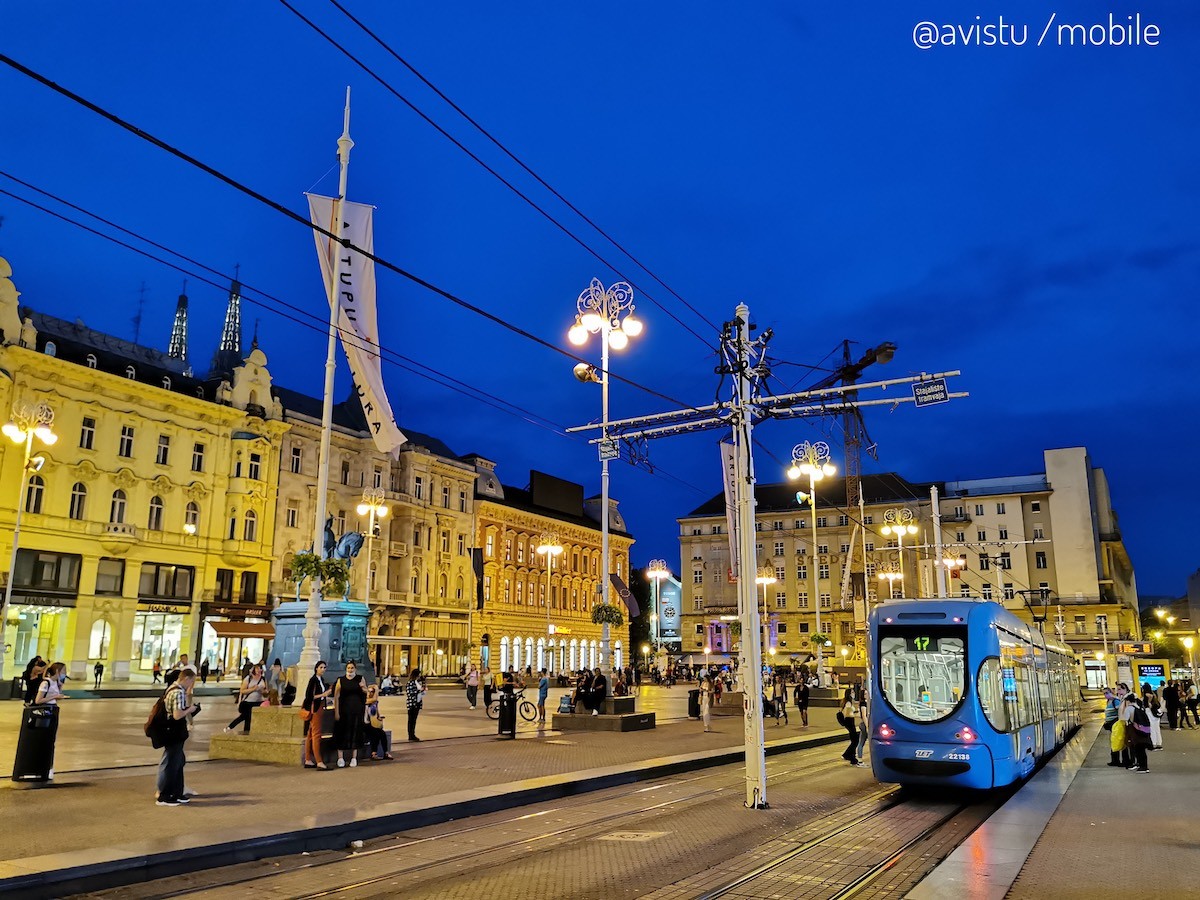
(377, 742)
(316, 696)
(204, 670)
(1193, 702)
(349, 702)
(250, 695)
(779, 698)
(861, 720)
(157, 671)
(846, 717)
(472, 681)
(220, 671)
(1137, 732)
(802, 694)
(489, 687)
(414, 698)
(1154, 714)
(98, 671)
(707, 692)
(543, 693)
(1170, 696)
(171, 790)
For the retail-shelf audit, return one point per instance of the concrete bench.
(619, 722)
(276, 736)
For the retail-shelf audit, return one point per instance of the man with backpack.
(168, 728)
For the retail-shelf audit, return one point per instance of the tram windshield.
(922, 670)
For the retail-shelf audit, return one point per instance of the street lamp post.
(765, 577)
(1190, 643)
(952, 564)
(899, 522)
(549, 547)
(707, 650)
(28, 421)
(608, 313)
(372, 506)
(891, 576)
(656, 572)
(812, 459)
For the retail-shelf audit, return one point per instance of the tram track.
(601, 823)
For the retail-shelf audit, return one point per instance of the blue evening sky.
(1026, 214)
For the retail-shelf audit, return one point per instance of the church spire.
(231, 334)
(179, 330)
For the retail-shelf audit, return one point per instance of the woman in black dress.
(349, 702)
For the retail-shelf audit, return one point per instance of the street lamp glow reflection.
(812, 459)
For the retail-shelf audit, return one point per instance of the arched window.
(529, 652)
(371, 574)
(442, 585)
(250, 532)
(617, 663)
(33, 494)
(155, 519)
(91, 360)
(458, 588)
(516, 654)
(130, 372)
(574, 656)
(116, 513)
(98, 642)
(504, 654)
(51, 348)
(191, 515)
(78, 500)
(166, 382)
(541, 654)
(416, 582)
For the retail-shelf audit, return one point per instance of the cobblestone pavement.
(107, 733)
(110, 808)
(622, 842)
(1118, 834)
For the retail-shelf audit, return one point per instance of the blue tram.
(965, 694)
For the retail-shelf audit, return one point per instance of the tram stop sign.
(609, 449)
(927, 393)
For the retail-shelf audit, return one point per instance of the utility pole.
(743, 361)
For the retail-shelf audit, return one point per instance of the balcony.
(239, 554)
(398, 548)
(118, 537)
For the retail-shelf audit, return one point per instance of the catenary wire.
(295, 217)
(507, 152)
(508, 184)
(309, 320)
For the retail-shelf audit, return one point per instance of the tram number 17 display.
(920, 644)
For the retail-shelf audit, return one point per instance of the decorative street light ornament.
(609, 311)
(898, 522)
(811, 459)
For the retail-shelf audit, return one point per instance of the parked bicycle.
(525, 708)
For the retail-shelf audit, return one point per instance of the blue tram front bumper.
(913, 762)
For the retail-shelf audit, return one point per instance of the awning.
(399, 639)
(242, 629)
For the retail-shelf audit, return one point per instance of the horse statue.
(348, 547)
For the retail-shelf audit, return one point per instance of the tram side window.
(1047, 704)
(991, 694)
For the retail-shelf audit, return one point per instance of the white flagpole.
(312, 619)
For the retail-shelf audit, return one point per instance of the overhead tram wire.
(310, 226)
(388, 87)
(504, 149)
(307, 319)
(304, 318)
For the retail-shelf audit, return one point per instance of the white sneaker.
(353, 762)
(341, 763)
(188, 792)
(595, 712)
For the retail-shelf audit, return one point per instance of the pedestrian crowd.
(1134, 722)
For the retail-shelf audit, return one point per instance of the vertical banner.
(728, 467)
(357, 320)
(670, 594)
(625, 594)
(477, 569)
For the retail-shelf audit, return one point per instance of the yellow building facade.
(537, 608)
(151, 516)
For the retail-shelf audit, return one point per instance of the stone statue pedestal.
(343, 638)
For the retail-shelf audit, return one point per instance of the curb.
(41, 878)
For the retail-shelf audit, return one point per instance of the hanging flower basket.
(607, 614)
(735, 629)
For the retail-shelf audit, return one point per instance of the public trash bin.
(693, 704)
(35, 744)
(507, 718)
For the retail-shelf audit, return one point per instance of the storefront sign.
(238, 612)
(20, 597)
(145, 606)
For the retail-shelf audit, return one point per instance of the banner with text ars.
(728, 476)
(357, 320)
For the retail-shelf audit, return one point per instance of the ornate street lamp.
(656, 572)
(372, 505)
(608, 313)
(549, 547)
(765, 576)
(29, 421)
(898, 523)
(812, 459)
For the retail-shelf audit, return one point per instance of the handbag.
(305, 714)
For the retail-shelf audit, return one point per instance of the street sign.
(1144, 648)
(609, 449)
(927, 393)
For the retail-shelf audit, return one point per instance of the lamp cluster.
(605, 311)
